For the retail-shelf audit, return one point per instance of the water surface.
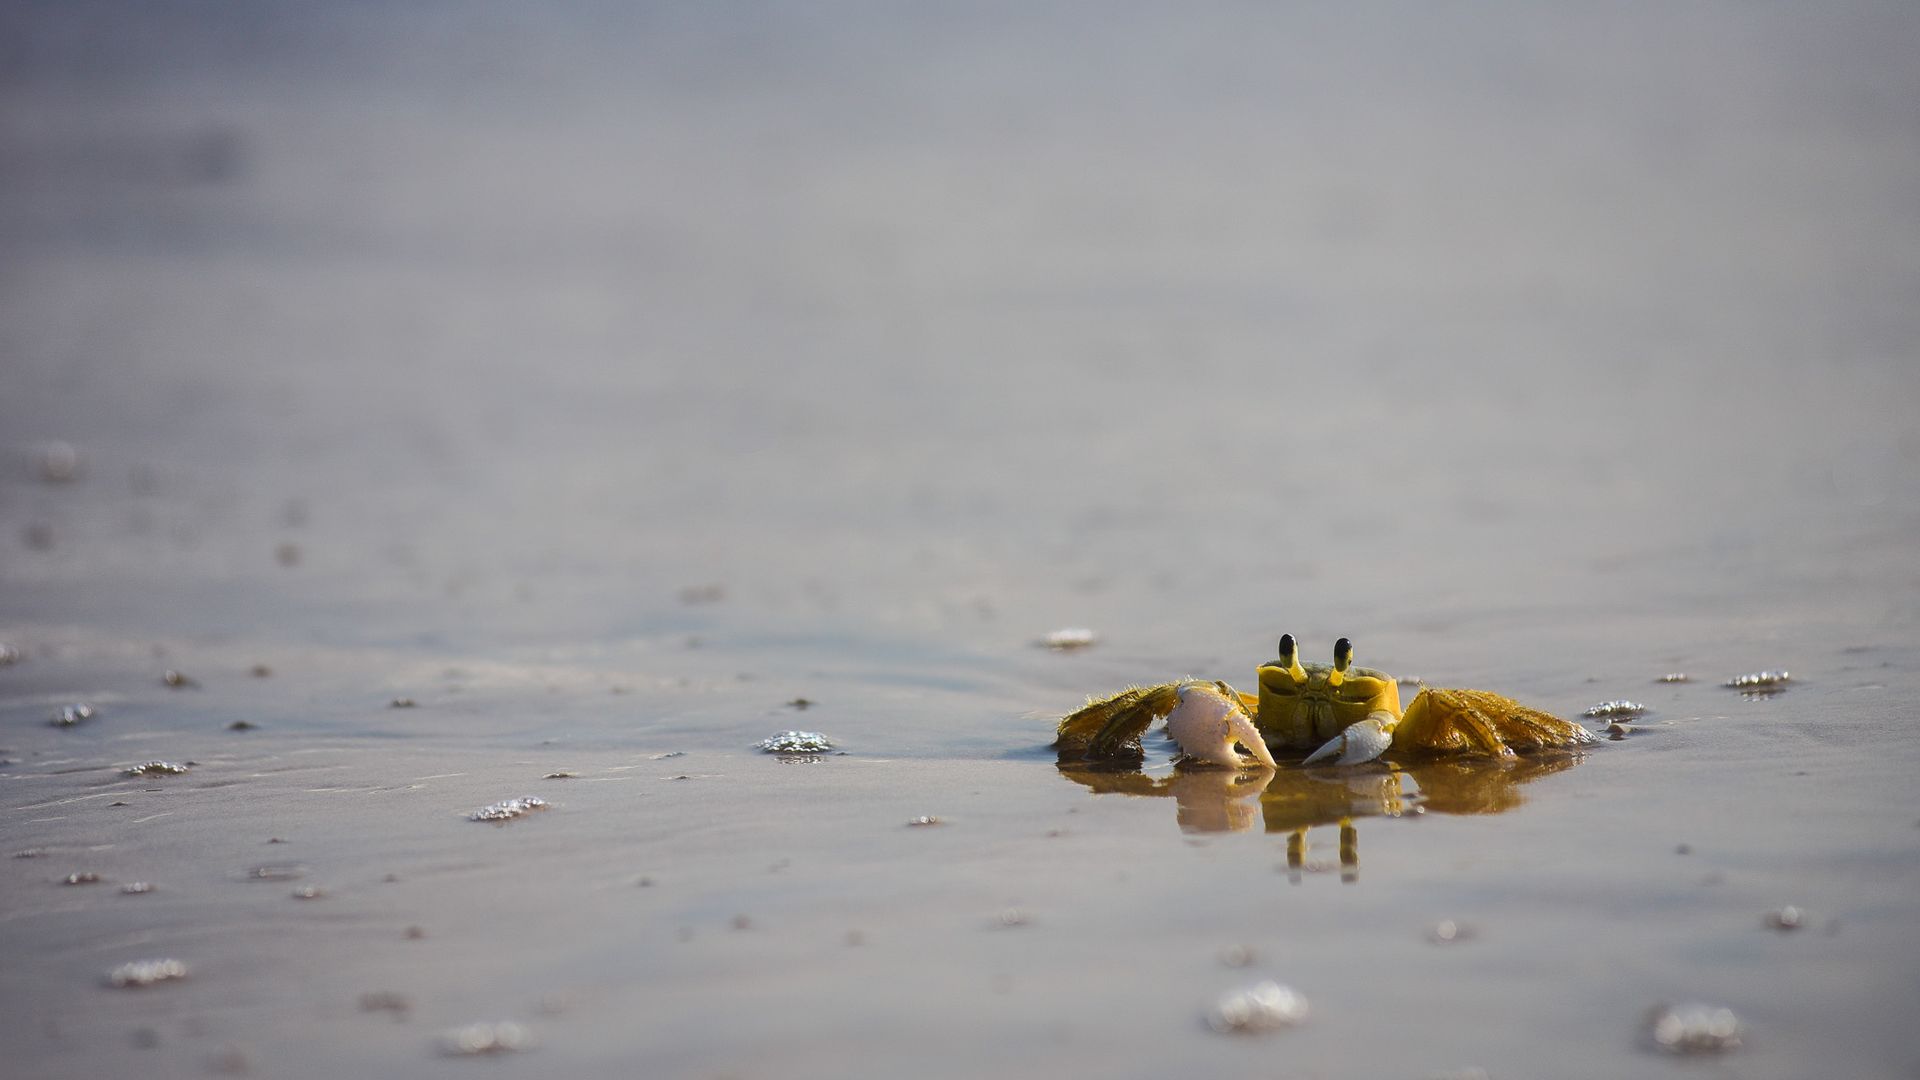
(604, 381)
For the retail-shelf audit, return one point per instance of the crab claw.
(1362, 741)
(1207, 724)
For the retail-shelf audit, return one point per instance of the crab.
(1341, 715)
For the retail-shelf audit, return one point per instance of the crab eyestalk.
(1342, 660)
(1290, 659)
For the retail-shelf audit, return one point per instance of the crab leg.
(1110, 728)
(1482, 723)
(1473, 722)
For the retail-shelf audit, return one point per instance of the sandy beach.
(407, 409)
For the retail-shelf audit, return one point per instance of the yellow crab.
(1351, 714)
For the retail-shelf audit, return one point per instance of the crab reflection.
(1292, 799)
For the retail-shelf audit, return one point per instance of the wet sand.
(603, 384)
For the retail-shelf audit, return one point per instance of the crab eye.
(1286, 648)
(1342, 654)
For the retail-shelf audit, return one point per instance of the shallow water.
(608, 383)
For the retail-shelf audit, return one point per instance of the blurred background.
(617, 382)
(490, 325)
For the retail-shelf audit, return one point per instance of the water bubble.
(1693, 1028)
(157, 768)
(1674, 677)
(73, 715)
(1759, 683)
(1070, 637)
(1264, 1006)
(179, 680)
(1621, 709)
(796, 742)
(137, 888)
(509, 809)
(81, 877)
(9, 654)
(146, 973)
(474, 1040)
(923, 821)
(1787, 918)
(1448, 932)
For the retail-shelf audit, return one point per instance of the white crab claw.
(1362, 741)
(1207, 725)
